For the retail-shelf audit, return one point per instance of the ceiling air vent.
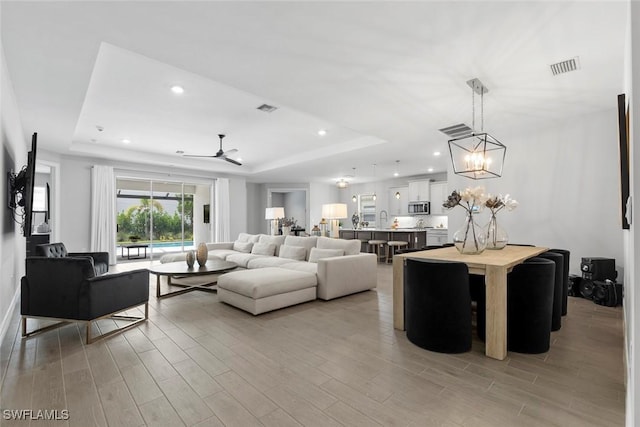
(565, 66)
(267, 108)
(457, 131)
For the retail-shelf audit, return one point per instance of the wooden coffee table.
(181, 270)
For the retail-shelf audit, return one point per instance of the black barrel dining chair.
(437, 305)
(558, 283)
(565, 277)
(530, 289)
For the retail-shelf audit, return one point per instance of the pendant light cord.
(473, 110)
(482, 109)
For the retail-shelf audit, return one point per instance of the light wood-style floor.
(324, 363)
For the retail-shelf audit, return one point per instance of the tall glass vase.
(497, 238)
(470, 238)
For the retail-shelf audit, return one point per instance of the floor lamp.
(334, 212)
(274, 214)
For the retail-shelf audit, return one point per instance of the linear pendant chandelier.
(478, 155)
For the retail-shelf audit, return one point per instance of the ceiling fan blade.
(235, 162)
(232, 151)
(196, 155)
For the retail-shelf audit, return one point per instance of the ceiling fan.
(221, 154)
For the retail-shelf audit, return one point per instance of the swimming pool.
(187, 243)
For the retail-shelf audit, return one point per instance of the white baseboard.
(6, 321)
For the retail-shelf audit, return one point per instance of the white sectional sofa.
(339, 268)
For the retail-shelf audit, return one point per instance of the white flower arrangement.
(496, 203)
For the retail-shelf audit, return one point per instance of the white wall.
(321, 194)
(255, 217)
(202, 232)
(632, 237)
(238, 206)
(12, 157)
(566, 180)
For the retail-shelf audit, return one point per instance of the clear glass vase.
(470, 238)
(497, 238)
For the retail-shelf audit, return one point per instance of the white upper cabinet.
(419, 191)
(439, 194)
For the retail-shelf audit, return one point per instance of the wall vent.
(565, 66)
(267, 108)
(457, 131)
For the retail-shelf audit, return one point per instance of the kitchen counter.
(415, 237)
(391, 230)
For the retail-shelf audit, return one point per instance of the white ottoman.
(266, 289)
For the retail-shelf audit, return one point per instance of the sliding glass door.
(156, 217)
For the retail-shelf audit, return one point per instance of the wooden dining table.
(494, 265)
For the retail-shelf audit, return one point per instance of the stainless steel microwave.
(419, 208)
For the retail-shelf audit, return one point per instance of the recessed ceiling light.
(430, 170)
(126, 141)
(436, 153)
(396, 174)
(178, 90)
(322, 132)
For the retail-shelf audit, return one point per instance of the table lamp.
(274, 214)
(334, 212)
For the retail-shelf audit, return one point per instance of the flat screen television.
(21, 188)
(623, 138)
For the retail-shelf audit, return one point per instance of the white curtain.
(222, 212)
(103, 211)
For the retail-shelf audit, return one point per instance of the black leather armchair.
(100, 260)
(67, 289)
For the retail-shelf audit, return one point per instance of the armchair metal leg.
(39, 330)
(135, 320)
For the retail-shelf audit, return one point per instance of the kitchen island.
(415, 237)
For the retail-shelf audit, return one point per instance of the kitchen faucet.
(386, 217)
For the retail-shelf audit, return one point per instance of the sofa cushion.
(243, 259)
(317, 254)
(265, 282)
(245, 237)
(222, 253)
(308, 267)
(350, 247)
(244, 247)
(267, 249)
(276, 240)
(305, 242)
(296, 253)
(267, 261)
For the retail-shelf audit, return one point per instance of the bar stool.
(391, 248)
(376, 245)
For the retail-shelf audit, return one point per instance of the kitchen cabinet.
(437, 237)
(419, 191)
(398, 206)
(439, 194)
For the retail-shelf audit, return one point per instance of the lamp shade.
(334, 211)
(273, 213)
